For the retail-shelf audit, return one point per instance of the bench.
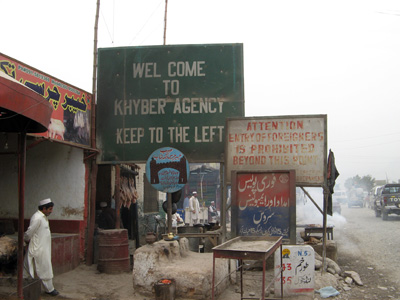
(309, 231)
(212, 236)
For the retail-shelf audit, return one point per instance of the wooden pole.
(117, 196)
(93, 164)
(324, 263)
(21, 208)
(165, 23)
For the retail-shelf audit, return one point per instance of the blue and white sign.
(167, 170)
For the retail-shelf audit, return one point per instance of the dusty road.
(366, 244)
(369, 246)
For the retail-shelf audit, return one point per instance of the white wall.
(52, 171)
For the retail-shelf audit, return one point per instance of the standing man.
(38, 257)
(194, 207)
(186, 202)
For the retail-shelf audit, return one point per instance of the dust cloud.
(307, 212)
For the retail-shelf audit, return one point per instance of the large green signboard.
(167, 96)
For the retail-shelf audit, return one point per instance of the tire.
(384, 214)
(174, 207)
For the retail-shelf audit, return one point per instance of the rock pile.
(8, 255)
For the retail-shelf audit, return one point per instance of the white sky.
(340, 58)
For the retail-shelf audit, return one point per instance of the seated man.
(107, 217)
(212, 213)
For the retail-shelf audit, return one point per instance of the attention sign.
(279, 143)
(167, 96)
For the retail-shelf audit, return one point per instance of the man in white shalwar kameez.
(194, 207)
(37, 261)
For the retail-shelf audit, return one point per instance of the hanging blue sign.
(167, 170)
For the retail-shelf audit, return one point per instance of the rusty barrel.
(113, 251)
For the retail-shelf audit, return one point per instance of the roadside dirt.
(364, 246)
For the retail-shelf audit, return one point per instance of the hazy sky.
(340, 58)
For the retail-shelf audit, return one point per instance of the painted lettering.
(139, 107)
(129, 135)
(207, 134)
(186, 69)
(146, 70)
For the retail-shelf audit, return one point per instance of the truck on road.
(387, 201)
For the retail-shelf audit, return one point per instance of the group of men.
(193, 205)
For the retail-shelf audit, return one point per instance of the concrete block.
(191, 271)
(331, 249)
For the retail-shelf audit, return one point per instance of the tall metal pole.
(169, 212)
(224, 193)
(165, 22)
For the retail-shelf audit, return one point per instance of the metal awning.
(22, 109)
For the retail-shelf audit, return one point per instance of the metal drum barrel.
(113, 251)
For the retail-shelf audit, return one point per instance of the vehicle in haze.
(388, 201)
(373, 196)
(340, 196)
(356, 198)
(336, 207)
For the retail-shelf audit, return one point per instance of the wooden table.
(248, 248)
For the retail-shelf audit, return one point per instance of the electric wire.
(144, 25)
(19, 113)
(108, 30)
(370, 137)
(151, 33)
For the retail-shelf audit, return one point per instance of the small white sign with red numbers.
(298, 270)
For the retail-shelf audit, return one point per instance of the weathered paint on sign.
(278, 143)
(167, 96)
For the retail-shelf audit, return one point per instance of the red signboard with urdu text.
(70, 120)
(263, 204)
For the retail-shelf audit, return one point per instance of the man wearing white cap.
(38, 257)
(194, 207)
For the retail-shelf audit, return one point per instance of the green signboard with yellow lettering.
(167, 96)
